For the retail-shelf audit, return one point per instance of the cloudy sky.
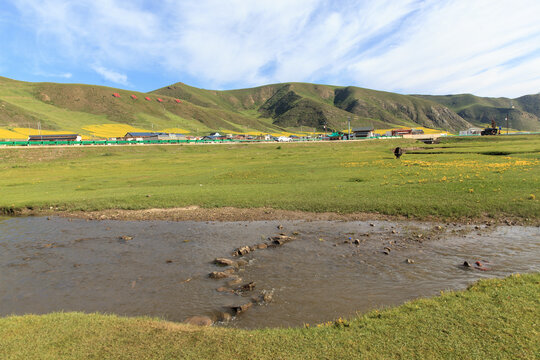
(484, 47)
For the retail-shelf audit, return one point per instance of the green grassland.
(459, 178)
(493, 319)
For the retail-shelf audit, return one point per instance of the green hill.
(73, 106)
(266, 109)
(297, 105)
(480, 111)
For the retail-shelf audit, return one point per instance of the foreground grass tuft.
(493, 319)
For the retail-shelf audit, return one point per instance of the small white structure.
(471, 131)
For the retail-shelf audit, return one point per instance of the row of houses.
(367, 132)
(362, 132)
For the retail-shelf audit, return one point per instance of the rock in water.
(264, 297)
(199, 321)
(224, 262)
(246, 287)
(241, 308)
(221, 274)
(241, 251)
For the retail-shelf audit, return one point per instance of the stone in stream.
(224, 262)
(409, 261)
(356, 241)
(241, 263)
(241, 251)
(199, 321)
(246, 287)
(280, 240)
(262, 246)
(221, 274)
(126, 237)
(264, 297)
(467, 264)
(224, 317)
(241, 308)
(235, 281)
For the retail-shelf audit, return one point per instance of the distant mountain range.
(270, 108)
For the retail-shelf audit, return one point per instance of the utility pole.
(508, 115)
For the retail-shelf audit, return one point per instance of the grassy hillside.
(276, 108)
(77, 108)
(298, 105)
(481, 111)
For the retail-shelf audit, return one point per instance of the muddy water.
(77, 265)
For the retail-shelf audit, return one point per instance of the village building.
(401, 132)
(362, 132)
(55, 137)
(153, 136)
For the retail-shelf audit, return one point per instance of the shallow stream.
(60, 264)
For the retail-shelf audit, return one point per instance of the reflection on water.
(77, 265)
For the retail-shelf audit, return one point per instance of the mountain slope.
(72, 107)
(481, 110)
(295, 105)
(274, 108)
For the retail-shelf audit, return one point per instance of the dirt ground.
(196, 213)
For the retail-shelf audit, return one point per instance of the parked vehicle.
(284, 139)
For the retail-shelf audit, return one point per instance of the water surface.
(77, 265)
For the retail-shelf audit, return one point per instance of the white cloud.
(411, 46)
(55, 75)
(461, 46)
(111, 75)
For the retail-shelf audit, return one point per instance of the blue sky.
(488, 48)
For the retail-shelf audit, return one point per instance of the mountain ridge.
(269, 108)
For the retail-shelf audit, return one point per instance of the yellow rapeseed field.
(8, 134)
(112, 130)
(23, 133)
(426, 130)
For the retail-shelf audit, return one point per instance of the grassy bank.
(493, 319)
(470, 177)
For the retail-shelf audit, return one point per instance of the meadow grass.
(493, 319)
(460, 178)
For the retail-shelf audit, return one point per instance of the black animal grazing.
(398, 152)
